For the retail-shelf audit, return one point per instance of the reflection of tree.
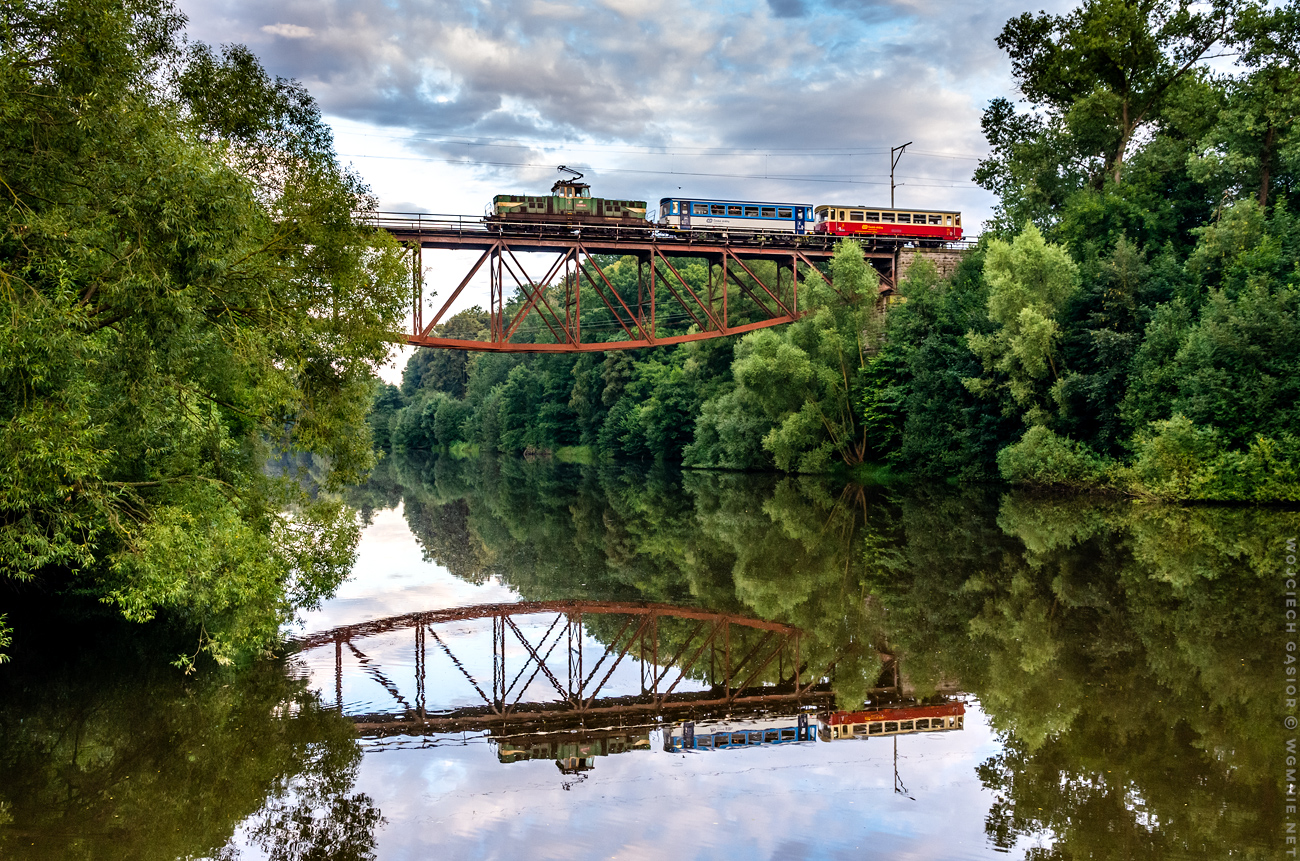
(111, 754)
(1116, 649)
(1125, 669)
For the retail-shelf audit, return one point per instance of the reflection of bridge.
(741, 664)
(554, 302)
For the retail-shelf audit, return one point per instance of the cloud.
(494, 86)
(289, 31)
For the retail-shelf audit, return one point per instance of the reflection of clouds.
(391, 578)
(812, 800)
(453, 799)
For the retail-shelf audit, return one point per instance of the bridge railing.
(443, 224)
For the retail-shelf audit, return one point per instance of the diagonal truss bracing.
(670, 645)
(543, 311)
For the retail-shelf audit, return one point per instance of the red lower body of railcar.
(927, 232)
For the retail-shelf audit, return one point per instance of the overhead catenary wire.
(818, 178)
(650, 149)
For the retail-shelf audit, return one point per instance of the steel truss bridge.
(553, 296)
(726, 653)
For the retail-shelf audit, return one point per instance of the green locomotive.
(570, 202)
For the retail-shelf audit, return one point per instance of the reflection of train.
(570, 204)
(727, 735)
(571, 752)
(893, 721)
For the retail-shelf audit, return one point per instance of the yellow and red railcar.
(894, 721)
(922, 225)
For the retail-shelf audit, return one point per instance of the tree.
(185, 296)
(1028, 282)
(1105, 69)
(805, 381)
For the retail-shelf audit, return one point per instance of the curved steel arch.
(735, 686)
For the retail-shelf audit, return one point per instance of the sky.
(440, 104)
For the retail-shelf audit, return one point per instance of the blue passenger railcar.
(680, 213)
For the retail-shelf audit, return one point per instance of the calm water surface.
(524, 649)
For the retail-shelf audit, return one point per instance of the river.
(542, 660)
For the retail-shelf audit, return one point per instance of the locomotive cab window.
(769, 212)
(785, 213)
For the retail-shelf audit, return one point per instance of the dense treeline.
(1130, 319)
(184, 297)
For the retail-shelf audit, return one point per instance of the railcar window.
(891, 726)
(905, 725)
(751, 212)
(919, 218)
(923, 723)
(769, 212)
(785, 213)
(718, 210)
(733, 210)
(875, 728)
(904, 218)
(855, 216)
(936, 219)
(887, 217)
(700, 208)
(873, 216)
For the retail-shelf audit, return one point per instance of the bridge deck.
(554, 300)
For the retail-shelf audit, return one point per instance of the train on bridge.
(570, 205)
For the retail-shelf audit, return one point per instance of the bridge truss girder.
(734, 677)
(574, 266)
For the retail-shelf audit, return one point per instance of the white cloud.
(289, 31)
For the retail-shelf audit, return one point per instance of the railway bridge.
(520, 668)
(552, 297)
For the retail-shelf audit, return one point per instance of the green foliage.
(1044, 459)
(185, 294)
(107, 753)
(1028, 282)
(1177, 459)
(803, 381)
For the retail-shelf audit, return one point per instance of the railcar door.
(799, 219)
(685, 207)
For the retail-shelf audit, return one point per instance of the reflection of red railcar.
(894, 721)
(926, 226)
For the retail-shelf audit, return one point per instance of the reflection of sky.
(449, 796)
(812, 800)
